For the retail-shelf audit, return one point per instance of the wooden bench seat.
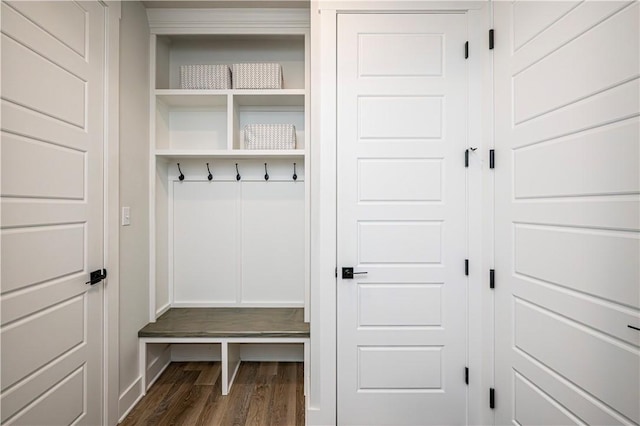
(228, 327)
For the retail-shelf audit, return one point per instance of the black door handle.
(347, 273)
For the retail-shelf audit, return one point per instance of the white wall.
(134, 192)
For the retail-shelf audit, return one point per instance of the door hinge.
(466, 158)
(492, 278)
(466, 267)
(491, 39)
(492, 159)
(466, 375)
(336, 272)
(96, 276)
(466, 50)
(492, 398)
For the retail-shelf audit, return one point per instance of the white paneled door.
(402, 93)
(567, 180)
(52, 89)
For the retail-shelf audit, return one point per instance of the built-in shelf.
(218, 244)
(243, 97)
(224, 153)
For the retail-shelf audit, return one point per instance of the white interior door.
(401, 219)
(567, 213)
(52, 91)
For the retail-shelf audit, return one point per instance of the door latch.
(96, 276)
(347, 273)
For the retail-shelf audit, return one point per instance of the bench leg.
(142, 364)
(307, 356)
(230, 365)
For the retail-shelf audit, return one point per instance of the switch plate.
(126, 216)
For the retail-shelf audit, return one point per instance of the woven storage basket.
(269, 136)
(257, 76)
(205, 77)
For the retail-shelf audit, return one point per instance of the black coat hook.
(209, 176)
(181, 177)
(266, 174)
(295, 176)
(238, 177)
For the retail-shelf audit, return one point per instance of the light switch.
(126, 216)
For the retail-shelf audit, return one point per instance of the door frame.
(111, 158)
(321, 401)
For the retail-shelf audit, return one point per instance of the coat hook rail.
(209, 176)
(181, 176)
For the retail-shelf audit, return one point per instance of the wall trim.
(111, 295)
(156, 367)
(130, 397)
(221, 21)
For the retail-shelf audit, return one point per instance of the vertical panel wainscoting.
(238, 243)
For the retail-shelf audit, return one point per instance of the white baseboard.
(313, 417)
(156, 367)
(163, 309)
(134, 393)
(129, 398)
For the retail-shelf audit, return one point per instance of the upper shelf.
(173, 51)
(243, 97)
(229, 153)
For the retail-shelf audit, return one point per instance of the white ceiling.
(206, 4)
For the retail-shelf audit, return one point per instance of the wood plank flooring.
(263, 393)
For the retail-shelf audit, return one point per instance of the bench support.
(230, 354)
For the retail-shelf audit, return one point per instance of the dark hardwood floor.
(263, 393)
